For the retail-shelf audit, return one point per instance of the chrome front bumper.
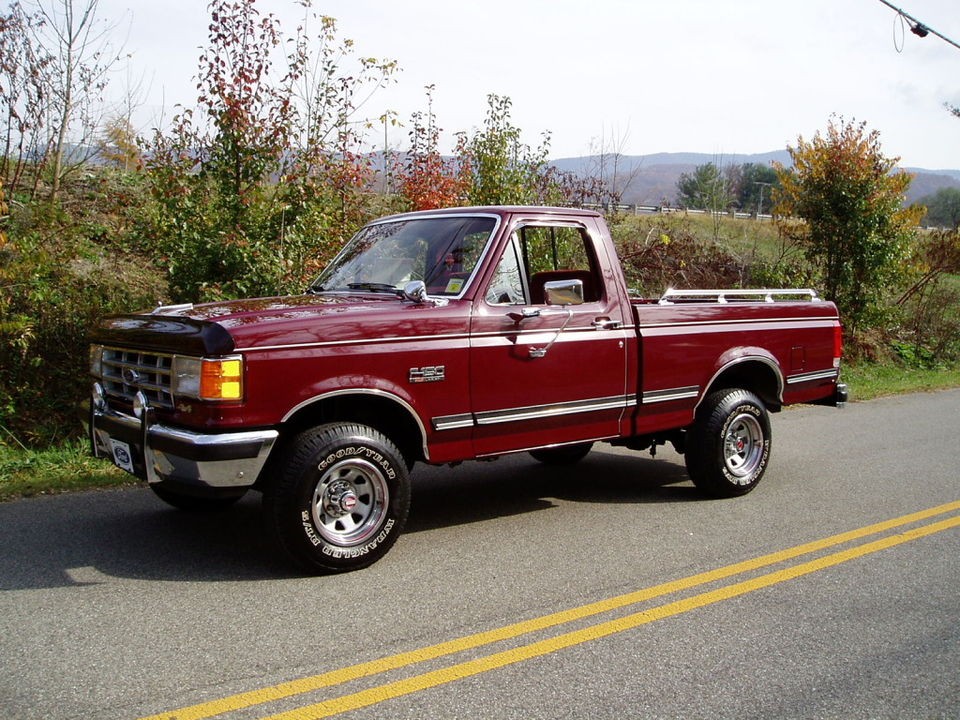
(162, 454)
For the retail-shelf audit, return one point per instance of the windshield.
(441, 251)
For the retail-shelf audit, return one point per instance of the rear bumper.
(838, 398)
(841, 395)
(162, 454)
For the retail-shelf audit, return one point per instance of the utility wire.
(917, 27)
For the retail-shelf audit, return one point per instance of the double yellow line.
(546, 646)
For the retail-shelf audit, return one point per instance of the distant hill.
(927, 182)
(656, 175)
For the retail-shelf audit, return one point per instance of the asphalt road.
(798, 600)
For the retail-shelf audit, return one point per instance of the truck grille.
(125, 372)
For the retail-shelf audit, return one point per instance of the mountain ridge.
(655, 175)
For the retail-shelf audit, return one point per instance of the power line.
(917, 27)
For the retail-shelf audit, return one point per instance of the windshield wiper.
(374, 287)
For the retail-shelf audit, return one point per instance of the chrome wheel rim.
(743, 447)
(349, 502)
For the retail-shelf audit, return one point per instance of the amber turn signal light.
(221, 379)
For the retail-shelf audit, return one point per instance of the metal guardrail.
(636, 209)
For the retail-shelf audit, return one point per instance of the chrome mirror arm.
(540, 352)
(416, 292)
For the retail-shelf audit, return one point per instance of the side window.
(538, 254)
(506, 288)
(559, 253)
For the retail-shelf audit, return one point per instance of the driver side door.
(544, 374)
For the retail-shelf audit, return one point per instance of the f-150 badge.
(433, 373)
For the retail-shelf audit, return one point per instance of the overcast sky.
(742, 76)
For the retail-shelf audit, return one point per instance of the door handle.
(603, 323)
(525, 314)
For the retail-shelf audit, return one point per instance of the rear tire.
(729, 443)
(341, 499)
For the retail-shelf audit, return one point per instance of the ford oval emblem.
(130, 376)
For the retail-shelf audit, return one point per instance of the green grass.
(871, 380)
(26, 472)
(745, 238)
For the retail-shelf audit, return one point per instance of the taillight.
(837, 344)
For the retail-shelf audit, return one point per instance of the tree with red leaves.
(265, 179)
(424, 177)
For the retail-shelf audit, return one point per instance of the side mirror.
(416, 292)
(563, 292)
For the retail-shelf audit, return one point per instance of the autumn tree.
(493, 166)
(564, 188)
(119, 146)
(855, 231)
(208, 172)
(424, 177)
(260, 182)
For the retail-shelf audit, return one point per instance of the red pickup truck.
(438, 337)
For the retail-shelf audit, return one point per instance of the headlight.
(219, 379)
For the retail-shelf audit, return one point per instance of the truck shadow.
(89, 538)
(444, 497)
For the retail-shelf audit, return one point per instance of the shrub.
(663, 251)
(58, 275)
(929, 335)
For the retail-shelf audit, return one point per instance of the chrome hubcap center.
(348, 501)
(340, 499)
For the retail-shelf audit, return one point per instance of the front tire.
(729, 443)
(341, 499)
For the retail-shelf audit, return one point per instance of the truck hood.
(225, 327)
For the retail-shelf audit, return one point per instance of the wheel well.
(379, 412)
(757, 376)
